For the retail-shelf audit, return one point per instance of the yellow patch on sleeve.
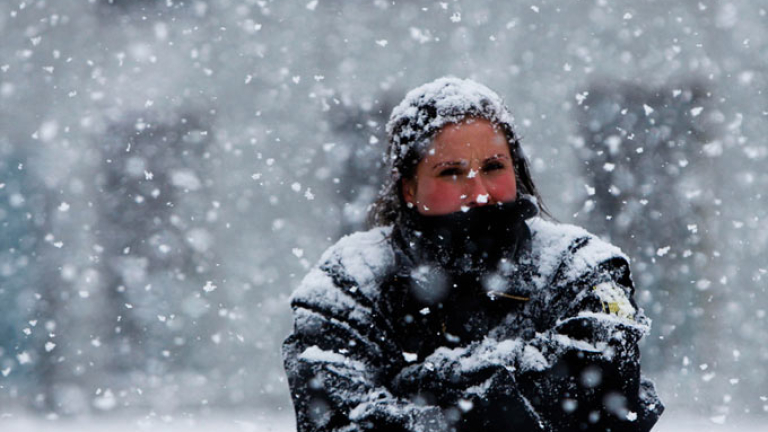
(614, 301)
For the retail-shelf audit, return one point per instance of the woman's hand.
(446, 374)
(473, 391)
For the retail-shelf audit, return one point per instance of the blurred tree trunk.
(157, 259)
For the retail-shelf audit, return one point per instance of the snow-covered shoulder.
(551, 241)
(360, 258)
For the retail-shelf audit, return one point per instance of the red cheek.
(502, 188)
(440, 197)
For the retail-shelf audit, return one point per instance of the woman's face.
(467, 165)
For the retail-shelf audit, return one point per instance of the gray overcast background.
(170, 169)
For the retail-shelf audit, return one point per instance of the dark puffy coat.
(548, 343)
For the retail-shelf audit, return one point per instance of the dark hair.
(414, 123)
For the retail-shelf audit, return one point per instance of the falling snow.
(170, 170)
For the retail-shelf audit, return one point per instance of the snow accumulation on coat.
(564, 359)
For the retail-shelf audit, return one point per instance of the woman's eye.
(493, 166)
(449, 172)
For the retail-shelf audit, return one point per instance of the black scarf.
(470, 242)
(445, 264)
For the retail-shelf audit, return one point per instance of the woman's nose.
(478, 194)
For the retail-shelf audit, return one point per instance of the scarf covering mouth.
(473, 241)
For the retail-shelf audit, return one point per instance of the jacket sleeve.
(338, 360)
(590, 374)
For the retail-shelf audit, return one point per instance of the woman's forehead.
(479, 138)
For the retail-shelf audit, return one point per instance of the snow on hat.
(428, 108)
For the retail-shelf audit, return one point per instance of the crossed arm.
(347, 374)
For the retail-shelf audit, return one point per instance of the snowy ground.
(670, 422)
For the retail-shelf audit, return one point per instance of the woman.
(463, 309)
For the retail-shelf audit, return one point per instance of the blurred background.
(169, 170)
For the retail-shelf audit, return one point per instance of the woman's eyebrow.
(496, 156)
(449, 163)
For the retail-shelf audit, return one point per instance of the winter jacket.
(548, 343)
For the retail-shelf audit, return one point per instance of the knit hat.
(428, 108)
